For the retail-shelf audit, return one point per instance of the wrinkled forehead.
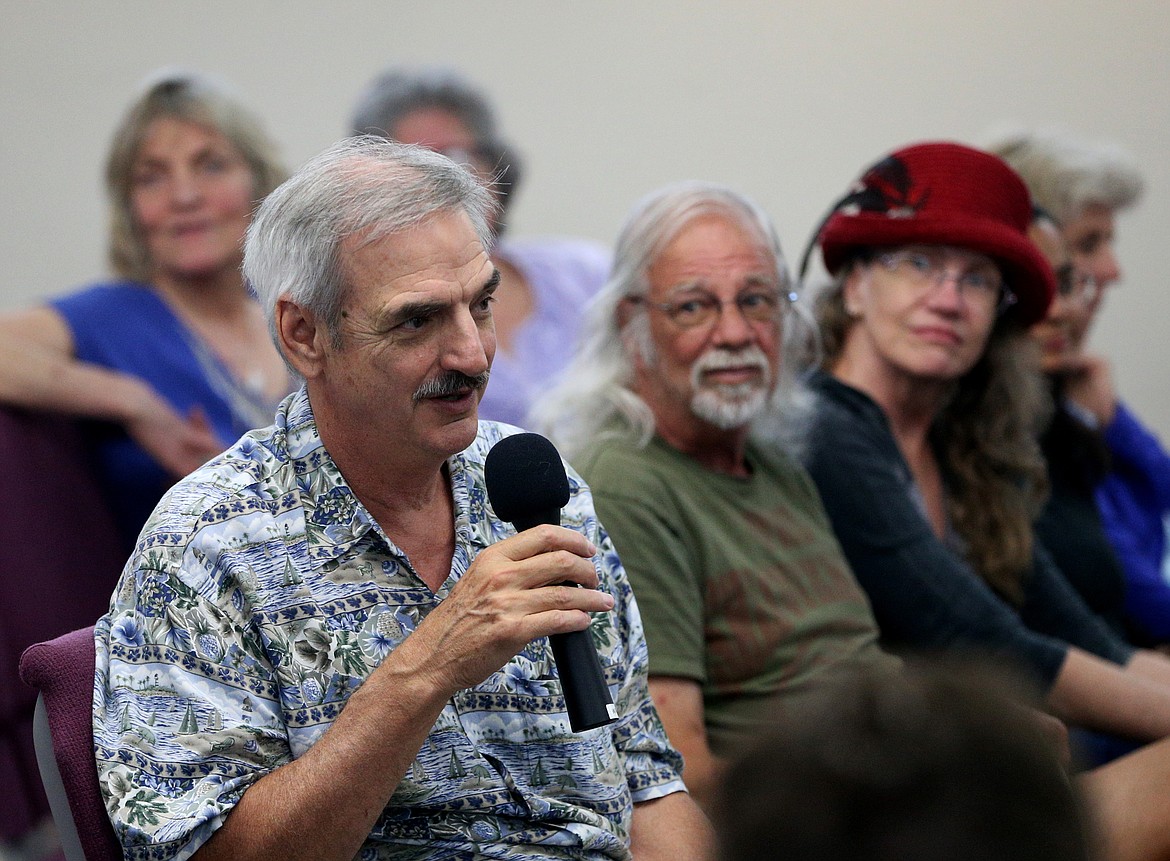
(714, 245)
(441, 248)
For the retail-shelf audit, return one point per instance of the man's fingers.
(562, 596)
(545, 539)
(560, 621)
(557, 566)
(561, 609)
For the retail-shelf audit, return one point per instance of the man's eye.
(413, 324)
(483, 306)
(756, 300)
(690, 306)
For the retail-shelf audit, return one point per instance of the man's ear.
(303, 338)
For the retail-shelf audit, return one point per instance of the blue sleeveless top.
(127, 327)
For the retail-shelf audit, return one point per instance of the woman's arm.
(1133, 446)
(1129, 806)
(38, 370)
(1126, 701)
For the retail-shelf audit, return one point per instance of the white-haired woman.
(1084, 186)
(172, 360)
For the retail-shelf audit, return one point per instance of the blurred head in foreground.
(927, 765)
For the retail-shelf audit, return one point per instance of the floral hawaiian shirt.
(262, 594)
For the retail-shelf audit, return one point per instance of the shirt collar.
(335, 519)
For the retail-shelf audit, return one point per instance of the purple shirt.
(564, 275)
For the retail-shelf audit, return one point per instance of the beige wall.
(783, 100)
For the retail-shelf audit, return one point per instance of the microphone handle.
(586, 694)
(583, 684)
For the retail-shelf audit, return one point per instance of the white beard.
(730, 406)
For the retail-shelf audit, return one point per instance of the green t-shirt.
(741, 584)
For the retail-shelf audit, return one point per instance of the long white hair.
(593, 398)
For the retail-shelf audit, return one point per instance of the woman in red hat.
(924, 444)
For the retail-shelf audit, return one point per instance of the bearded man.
(745, 596)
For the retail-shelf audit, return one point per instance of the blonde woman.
(171, 360)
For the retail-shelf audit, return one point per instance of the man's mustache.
(450, 383)
(718, 358)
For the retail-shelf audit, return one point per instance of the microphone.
(527, 486)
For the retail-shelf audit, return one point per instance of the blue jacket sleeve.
(1135, 449)
(1134, 500)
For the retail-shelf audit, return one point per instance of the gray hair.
(593, 398)
(396, 92)
(190, 97)
(1065, 174)
(366, 186)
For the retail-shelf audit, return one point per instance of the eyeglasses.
(701, 308)
(1076, 285)
(928, 269)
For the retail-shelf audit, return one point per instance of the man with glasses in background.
(745, 596)
(545, 281)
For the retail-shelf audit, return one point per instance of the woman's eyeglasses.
(929, 269)
(1076, 285)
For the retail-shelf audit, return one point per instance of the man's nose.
(731, 326)
(465, 349)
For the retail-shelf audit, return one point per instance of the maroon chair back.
(59, 562)
(63, 671)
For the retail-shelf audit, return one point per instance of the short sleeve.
(186, 710)
(653, 768)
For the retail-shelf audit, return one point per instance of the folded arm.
(38, 370)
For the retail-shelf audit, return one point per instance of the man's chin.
(729, 412)
(457, 434)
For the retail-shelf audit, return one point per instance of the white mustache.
(718, 358)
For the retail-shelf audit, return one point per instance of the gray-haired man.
(327, 645)
(743, 590)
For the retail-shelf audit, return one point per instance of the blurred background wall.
(783, 100)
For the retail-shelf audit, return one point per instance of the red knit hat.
(943, 193)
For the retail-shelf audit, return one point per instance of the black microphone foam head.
(525, 477)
